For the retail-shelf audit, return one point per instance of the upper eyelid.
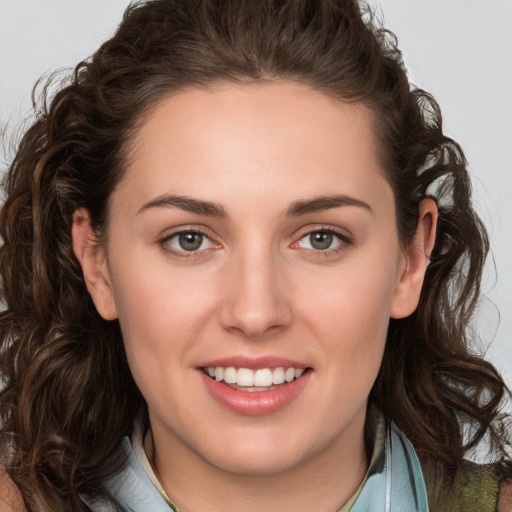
(186, 231)
(341, 233)
(168, 235)
(164, 242)
(344, 240)
(170, 232)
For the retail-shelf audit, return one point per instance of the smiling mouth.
(246, 379)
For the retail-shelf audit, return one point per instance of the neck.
(322, 482)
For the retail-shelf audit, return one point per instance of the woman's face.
(253, 238)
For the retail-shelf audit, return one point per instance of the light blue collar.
(394, 482)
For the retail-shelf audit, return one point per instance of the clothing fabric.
(393, 483)
(476, 489)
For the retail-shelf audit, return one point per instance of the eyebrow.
(321, 203)
(211, 209)
(187, 204)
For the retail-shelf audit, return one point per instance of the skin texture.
(505, 501)
(10, 497)
(256, 287)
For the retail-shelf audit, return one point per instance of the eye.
(187, 242)
(322, 240)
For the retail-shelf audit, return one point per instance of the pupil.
(190, 241)
(321, 240)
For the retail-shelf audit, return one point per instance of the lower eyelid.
(342, 239)
(165, 242)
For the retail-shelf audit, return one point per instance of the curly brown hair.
(68, 397)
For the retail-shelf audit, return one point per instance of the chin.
(260, 455)
(256, 466)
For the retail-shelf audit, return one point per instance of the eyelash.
(183, 253)
(343, 241)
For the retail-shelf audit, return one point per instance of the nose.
(255, 299)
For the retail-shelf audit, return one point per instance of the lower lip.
(255, 403)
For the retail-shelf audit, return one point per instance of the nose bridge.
(255, 300)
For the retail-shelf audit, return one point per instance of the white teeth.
(230, 375)
(289, 374)
(261, 378)
(278, 376)
(245, 377)
(219, 373)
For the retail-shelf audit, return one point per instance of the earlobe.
(417, 257)
(92, 258)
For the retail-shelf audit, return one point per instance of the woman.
(239, 258)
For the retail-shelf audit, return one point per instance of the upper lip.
(254, 363)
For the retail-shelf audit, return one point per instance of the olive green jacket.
(476, 489)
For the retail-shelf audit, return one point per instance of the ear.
(417, 257)
(93, 260)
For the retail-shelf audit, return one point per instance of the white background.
(460, 50)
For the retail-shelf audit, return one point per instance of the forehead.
(287, 107)
(252, 140)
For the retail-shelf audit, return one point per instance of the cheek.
(157, 329)
(351, 318)
(155, 298)
(356, 299)
(161, 314)
(356, 331)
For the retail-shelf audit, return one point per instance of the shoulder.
(505, 497)
(475, 488)
(10, 497)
